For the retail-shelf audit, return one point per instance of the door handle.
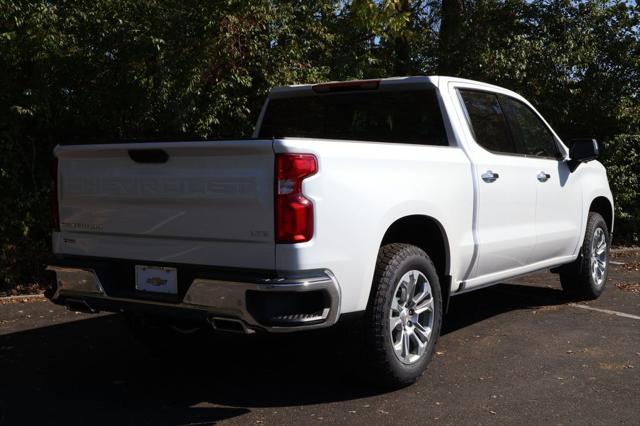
(489, 176)
(543, 177)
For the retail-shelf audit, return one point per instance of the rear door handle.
(543, 177)
(489, 176)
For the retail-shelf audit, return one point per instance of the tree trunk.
(402, 57)
(450, 32)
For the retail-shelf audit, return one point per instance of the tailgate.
(207, 203)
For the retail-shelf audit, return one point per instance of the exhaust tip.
(230, 325)
(75, 305)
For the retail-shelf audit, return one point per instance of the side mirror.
(582, 151)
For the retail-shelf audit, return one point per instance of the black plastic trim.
(149, 155)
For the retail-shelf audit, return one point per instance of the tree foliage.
(74, 71)
(623, 170)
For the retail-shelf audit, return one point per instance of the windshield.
(402, 116)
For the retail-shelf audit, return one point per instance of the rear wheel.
(587, 276)
(404, 316)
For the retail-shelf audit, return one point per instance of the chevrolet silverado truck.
(372, 199)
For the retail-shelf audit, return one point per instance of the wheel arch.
(604, 207)
(427, 233)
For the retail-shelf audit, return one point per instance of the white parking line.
(606, 311)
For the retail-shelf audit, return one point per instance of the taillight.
(294, 212)
(55, 218)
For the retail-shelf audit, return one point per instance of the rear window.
(409, 116)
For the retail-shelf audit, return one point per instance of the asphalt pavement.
(517, 353)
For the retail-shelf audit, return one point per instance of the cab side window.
(487, 121)
(531, 136)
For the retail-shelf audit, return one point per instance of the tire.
(399, 268)
(585, 278)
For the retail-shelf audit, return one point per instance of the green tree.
(86, 71)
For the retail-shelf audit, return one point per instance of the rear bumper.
(296, 301)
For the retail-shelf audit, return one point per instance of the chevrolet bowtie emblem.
(156, 281)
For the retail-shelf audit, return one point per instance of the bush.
(622, 160)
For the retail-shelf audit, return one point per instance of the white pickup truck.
(375, 200)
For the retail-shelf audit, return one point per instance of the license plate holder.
(156, 279)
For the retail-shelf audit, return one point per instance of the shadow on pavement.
(476, 306)
(93, 371)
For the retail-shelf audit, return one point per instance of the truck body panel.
(351, 185)
(210, 203)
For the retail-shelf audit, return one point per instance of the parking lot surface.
(518, 352)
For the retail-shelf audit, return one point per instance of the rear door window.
(487, 121)
(401, 116)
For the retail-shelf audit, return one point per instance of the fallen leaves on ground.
(22, 299)
(630, 287)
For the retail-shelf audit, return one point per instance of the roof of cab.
(438, 81)
(384, 82)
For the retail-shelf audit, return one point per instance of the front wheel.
(404, 316)
(586, 277)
